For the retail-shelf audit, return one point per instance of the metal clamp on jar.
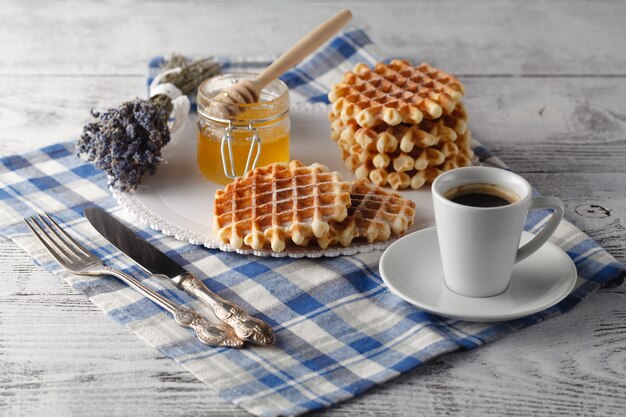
(258, 135)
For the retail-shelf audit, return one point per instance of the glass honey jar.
(258, 135)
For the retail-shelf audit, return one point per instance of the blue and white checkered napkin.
(340, 331)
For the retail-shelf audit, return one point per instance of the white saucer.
(411, 268)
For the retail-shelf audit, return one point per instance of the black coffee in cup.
(481, 195)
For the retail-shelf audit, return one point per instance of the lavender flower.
(126, 141)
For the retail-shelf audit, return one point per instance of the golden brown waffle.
(280, 202)
(374, 214)
(429, 163)
(395, 93)
(404, 156)
(386, 138)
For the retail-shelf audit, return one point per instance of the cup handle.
(541, 238)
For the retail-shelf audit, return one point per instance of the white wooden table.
(546, 90)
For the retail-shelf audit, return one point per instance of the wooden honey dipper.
(248, 91)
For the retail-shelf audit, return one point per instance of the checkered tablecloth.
(339, 330)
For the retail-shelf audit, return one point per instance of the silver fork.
(74, 257)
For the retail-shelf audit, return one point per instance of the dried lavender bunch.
(126, 141)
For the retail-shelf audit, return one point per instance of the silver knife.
(155, 262)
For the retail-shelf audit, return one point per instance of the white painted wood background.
(546, 90)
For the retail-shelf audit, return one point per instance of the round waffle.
(374, 214)
(280, 202)
(395, 93)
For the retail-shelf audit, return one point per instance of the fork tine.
(44, 241)
(55, 239)
(60, 240)
(69, 238)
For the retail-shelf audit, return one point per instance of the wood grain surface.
(546, 89)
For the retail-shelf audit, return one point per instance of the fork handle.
(246, 327)
(207, 332)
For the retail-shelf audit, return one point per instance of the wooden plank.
(484, 37)
(37, 111)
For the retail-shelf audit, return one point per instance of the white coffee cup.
(479, 245)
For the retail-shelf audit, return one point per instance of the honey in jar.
(260, 131)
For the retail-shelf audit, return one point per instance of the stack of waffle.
(400, 125)
(279, 204)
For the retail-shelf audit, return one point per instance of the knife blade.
(157, 263)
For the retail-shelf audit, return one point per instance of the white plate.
(178, 201)
(411, 268)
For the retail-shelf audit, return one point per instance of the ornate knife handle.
(207, 332)
(246, 327)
